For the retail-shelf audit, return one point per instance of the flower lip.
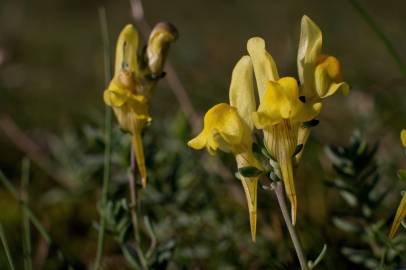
(223, 129)
(281, 101)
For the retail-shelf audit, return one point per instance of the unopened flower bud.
(158, 44)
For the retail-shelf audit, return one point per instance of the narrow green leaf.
(108, 119)
(350, 198)
(319, 258)
(345, 225)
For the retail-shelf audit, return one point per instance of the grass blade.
(6, 249)
(381, 35)
(108, 128)
(26, 218)
(37, 224)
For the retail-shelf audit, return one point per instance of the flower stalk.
(134, 197)
(277, 187)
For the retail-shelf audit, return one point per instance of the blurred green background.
(51, 83)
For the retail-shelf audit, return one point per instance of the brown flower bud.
(158, 44)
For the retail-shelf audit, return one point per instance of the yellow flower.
(282, 109)
(134, 78)
(403, 137)
(124, 94)
(229, 128)
(320, 75)
(281, 101)
(223, 129)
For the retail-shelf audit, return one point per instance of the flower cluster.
(284, 111)
(401, 212)
(135, 76)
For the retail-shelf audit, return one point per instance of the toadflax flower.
(282, 109)
(319, 74)
(130, 89)
(285, 106)
(228, 127)
(286, 110)
(401, 212)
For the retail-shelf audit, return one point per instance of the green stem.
(134, 196)
(381, 35)
(108, 137)
(280, 195)
(382, 260)
(26, 218)
(134, 209)
(6, 248)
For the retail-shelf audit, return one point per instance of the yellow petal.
(127, 50)
(250, 189)
(242, 90)
(307, 111)
(199, 142)
(403, 137)
(263, 120)
(132, 120)
(309, 51)
(275, 102)
(139, 156)
(281, 140)
(227, 142)
(400, 215)
(290, 87)
(224, 129)
(285, 163)
(264, 65)
(328, 77)
(250, 185)
(278, 103)
(226, 121)
(114, 98)
(284, 145)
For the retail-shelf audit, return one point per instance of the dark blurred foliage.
(51, 82)
(362, 218)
